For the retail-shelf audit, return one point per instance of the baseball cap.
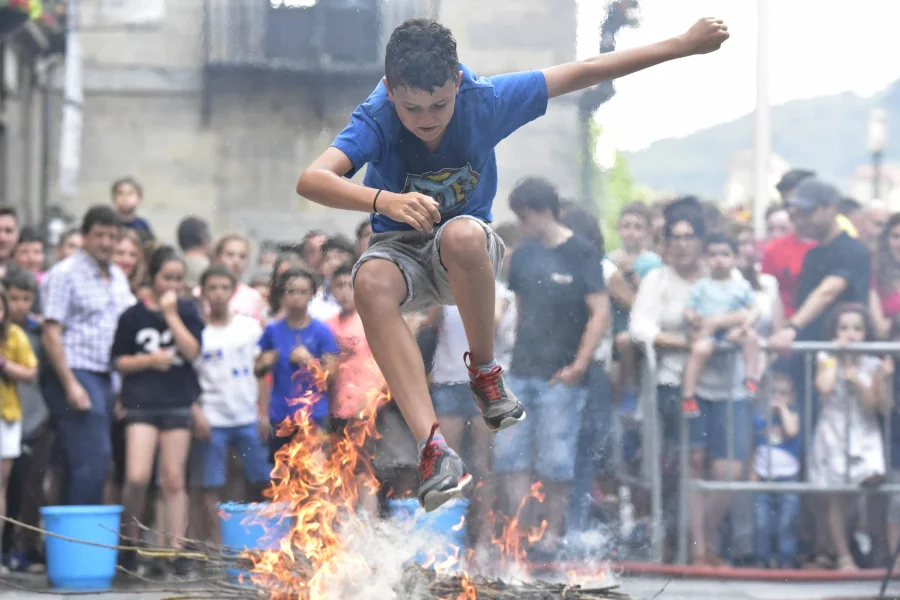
(812, 193)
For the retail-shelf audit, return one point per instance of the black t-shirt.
(551, 285)
(143, 331)
(843, 257)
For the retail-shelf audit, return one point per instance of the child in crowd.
(777, 458)
(336, 251)
(259, 281)
(720, 307)
(634, 231)
(17, 363)
(29, 253)
(228, 414)
(127, 195)
(155, 343)
(285, 261)
(233, 251)
(69, 243)
(288, 346)
(849, 404)
(25, 494)
(358, 384)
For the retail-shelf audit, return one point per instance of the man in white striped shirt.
(84, 296)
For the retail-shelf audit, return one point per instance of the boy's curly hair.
(421, 55)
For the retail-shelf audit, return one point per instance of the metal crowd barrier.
(652, 444)
(650, 477)
(689, 486)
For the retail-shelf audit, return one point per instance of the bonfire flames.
(329, 549)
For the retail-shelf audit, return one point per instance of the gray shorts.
(418, 256)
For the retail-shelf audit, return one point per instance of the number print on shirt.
(152, 341)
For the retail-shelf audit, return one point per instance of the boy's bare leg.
(750, 350)
(464, 252)
(749, 344)
(380, 289)
(701, 350)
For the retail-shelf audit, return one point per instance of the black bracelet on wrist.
(375, 202)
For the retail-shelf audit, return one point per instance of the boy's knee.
(702, 348)
(461, 241)
(378, 281)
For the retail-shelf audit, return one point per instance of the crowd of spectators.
(162, 378)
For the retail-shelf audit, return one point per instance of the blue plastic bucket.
(244, 528)
(446, 524)
(75, 566)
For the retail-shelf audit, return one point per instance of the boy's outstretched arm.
(706, 35)
(324, 183)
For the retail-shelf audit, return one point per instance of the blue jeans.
(254, 455)
(454, 400)
(546, 441)
(709, 431)
(776, 517)
(593, 452)
(83, 438)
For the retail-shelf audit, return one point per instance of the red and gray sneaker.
(442, 474)
(499, 406)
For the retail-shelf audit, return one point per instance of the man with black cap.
(837, 270)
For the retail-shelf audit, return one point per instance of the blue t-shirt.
(288, 380)
(793, 446)
(711, 297)
(462, 173)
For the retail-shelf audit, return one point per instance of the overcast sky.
(816, 48)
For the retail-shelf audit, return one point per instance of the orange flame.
(469, 591)
(319, 489)
(513, 542)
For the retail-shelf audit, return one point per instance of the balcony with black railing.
(324, 37)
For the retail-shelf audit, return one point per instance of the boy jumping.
(428, 134)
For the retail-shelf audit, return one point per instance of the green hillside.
(827, 134)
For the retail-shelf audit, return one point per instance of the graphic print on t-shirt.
(142, 331)
(152, 341)
(451, 188)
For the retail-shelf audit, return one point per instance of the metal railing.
(652, 443)
(650, 477)
(328, 36)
